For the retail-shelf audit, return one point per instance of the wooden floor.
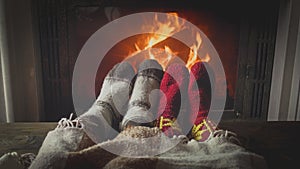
(278, 142)
(23, 137)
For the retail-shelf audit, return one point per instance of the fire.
(193, 55)
(206, 59)
(169, 53)
(163, 30)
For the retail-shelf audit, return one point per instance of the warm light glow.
(163, 30)
(169, 56)
(193, 55)
(206, 59)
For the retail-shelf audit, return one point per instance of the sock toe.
(151, 68)
(124, 71)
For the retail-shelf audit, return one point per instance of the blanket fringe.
(228, 135)
(69, 123)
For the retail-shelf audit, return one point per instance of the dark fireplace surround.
(243, 34)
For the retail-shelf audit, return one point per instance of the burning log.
(139, 113)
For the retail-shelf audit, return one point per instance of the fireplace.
(243, 34)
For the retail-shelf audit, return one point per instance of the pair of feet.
(130, 99)
(185, 108)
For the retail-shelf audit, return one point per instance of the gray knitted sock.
(139, 113)
(110, 105)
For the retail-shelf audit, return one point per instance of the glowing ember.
(162, 31)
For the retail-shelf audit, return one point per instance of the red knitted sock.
(200, 92)
(174, 85)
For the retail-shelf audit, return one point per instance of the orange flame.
(193, 56)
(206, 59)
(163, 30)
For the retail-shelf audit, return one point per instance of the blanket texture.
(218, 152)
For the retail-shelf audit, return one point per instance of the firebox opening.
(241, 33)
(224, 37)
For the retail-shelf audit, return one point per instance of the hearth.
(243, 34)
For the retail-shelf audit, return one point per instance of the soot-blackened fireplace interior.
(243, 33)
